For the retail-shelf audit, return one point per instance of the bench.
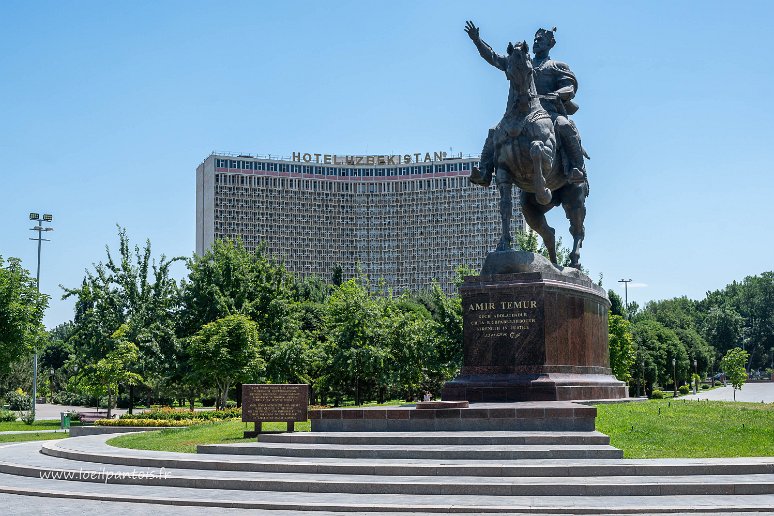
(90, 417)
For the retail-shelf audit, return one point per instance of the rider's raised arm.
(489, 55)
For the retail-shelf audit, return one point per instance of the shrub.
(657, 395)
(171, 414)
(718, 383)
(27, 416)
(7, 416)
(18, 400)
(684, 389)
(704, 386)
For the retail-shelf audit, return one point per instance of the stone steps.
(438, 438)
(41, 466)
(436, 452)
(472, 485)
(402, 467)
(186, 499)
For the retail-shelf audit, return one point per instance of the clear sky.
(108, 107)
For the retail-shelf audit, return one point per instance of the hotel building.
(403, 219)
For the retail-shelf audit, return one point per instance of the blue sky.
(108, 107)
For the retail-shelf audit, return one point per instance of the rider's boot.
(486, 164)
(574, 152)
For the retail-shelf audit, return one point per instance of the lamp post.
(695, 378)
(51, 383)
(674, 376)
(626, 294)
(47, 217)
(643, 379)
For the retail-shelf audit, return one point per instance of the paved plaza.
(750, 392)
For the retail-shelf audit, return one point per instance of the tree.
(733, 364)
(622, 354)
(229, 279)
(105, 375)
(226, 351)
(723, 327)
(616, 304)
(21, 313)
(131, 289)
(657, 345)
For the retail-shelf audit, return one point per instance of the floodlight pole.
(40, 229)
(626, 294)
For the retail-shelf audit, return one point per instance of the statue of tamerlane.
(535, 146)
(556, 85)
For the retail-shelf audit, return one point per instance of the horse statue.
(527, 155)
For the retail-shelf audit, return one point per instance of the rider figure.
(556, 85)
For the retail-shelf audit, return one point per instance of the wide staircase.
(455, 472)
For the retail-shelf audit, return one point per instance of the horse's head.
(519, 65)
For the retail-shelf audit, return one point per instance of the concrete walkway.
(86, 469)
(50, 411)
(750, 392)
(13, 432)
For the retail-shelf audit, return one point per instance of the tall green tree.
(229, 279)
(622, 353)
(616, 304)
(657, 345)
(132, 289)
(225, 352)
(21, 313)
(734, 365)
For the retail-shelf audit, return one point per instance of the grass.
(37, 425)
(32, 436)
(687, 428)
(186, 439)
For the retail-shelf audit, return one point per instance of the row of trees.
(739, 316)
(240, 317)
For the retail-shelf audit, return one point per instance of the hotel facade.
(406, 219)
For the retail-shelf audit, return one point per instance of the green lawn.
(186, 439)
(37, 425)
(688, 428)
(32, 436)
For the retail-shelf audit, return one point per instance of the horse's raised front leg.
(575, 208)
(536, 218)
(537, 153)
(506, 211)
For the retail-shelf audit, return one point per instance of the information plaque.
(274, 402)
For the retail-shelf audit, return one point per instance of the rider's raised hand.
(472, 30)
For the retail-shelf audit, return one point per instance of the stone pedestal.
(534, 336)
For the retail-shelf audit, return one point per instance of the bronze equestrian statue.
(535, 146)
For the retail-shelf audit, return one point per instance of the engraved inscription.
(275, 402)
(502, 318)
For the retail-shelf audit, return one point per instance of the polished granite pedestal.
(534, 336)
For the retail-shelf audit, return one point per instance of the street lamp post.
(626, 294)
(674, 376)
(47, 217)
(695, 378)
(643, 379)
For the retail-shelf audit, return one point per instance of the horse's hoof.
(543, 197)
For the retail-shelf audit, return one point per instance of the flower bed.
(161, 423)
